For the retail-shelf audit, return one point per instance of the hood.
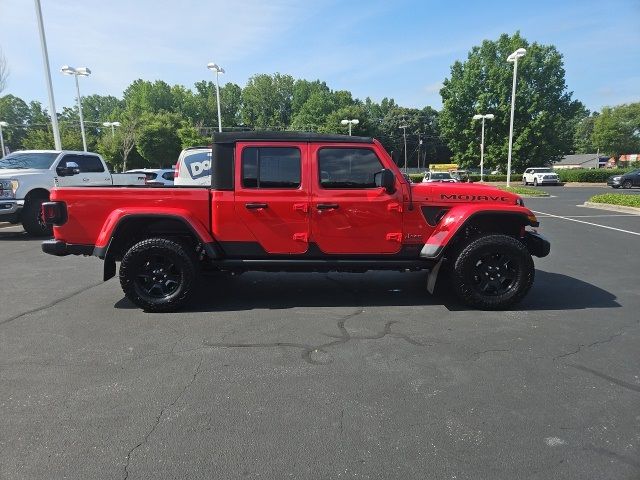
(454, 193)
(20, 172)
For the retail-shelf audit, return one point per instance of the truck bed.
(88, 208)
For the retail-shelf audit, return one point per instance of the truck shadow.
(257, 290)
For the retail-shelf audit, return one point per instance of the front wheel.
(32, 220)
(535, 182)
(524, 182)
(627, 184)
(158, 274)
(492, 272)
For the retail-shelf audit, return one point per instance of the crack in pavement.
(342, 338)
(617, 381)
(51, 304)
(159, 418)
(477, 354)
(590, 345)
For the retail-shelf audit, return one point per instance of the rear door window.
(271, 167)
(87, 163)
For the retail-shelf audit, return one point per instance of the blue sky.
(400, 49)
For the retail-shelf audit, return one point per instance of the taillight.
(176, 172)
(54, 213)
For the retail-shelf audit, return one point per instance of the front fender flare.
(455, 219)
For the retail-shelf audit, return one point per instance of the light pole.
(488, 116)
(84, 72)
(215, 68)
(513, 58)
(47, 72)
(112, 125)
(2, 124)
(355, 121)
(404, 134)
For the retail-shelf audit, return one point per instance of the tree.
(267, 101)
(157, 139)
(4, 71)
(544, 112)
(616, 130)
(17, 114)
(582, 139)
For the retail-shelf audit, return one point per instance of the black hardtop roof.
(232, 137)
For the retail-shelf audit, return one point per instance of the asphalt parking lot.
(327, 376)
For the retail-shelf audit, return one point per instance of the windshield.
(542, 170)
(38, 161)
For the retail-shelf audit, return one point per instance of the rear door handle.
(255, 206)
(327, 206)
(85, 179)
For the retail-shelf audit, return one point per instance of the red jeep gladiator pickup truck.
(300, 202)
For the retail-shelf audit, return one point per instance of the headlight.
(8, 188)
(617, 178)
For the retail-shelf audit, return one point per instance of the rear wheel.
(32, 220)
(492, 272)
(627, 184)
(158, 274)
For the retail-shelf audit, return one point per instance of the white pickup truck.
(27, 177)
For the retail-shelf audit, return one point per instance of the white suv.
(194, 167)
(540, 176)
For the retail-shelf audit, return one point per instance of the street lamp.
(488, 116)
(513, 58)
(83, 72)
(112, 125)
(47, 75)
(2, 124)
(355, 121)
(215, 68)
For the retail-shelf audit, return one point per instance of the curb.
(613, 208)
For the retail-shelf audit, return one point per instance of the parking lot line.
(587, 223)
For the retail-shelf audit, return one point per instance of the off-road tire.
(535, 182)
(162, 289)
(31, 217)
(472, 262)
(524, 182)
(627, 184)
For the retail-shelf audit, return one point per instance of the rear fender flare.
(459, 216)
(118, 217)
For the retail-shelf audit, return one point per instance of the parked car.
(540, 176)
(294, 201)
(27, 177)
(156, 176)
(628, 180)
(460, 175)
(193, 167)
(430, 177)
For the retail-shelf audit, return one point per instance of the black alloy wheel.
(158, 274)
(627, 184)
(492, 272)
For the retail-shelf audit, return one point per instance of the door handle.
(85, 179)
(327, 206)
(255, 206)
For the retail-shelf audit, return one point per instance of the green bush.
(617, 199)
(416, 177)
(596, 175)
(495, 178)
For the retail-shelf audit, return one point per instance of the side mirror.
(68, 169)
(386, 179)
